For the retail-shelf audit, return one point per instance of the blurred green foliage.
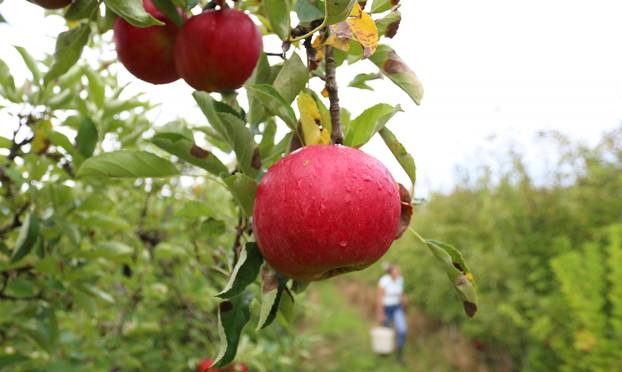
(109, 274)
(546, 256)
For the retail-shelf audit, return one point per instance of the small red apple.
(217, 50)
(148, 52)
(205, 365)
(52, 4)
(325, 210)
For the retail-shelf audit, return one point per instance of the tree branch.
(336, 135)
(16, 220)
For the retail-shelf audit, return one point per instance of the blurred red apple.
(205, 365)
(148, 52)
(217, 50)
(237, 367)
(52, 4)
(325, 210)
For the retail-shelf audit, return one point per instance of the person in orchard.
(391, 305)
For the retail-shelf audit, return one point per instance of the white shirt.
(392, 289)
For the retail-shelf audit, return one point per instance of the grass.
(345, 343)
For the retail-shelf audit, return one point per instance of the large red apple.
(52, 4)
(148, 52)
(217, 50)
(325, 210)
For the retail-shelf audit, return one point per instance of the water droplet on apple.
(343, 243)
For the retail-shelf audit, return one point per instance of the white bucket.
(382, 340)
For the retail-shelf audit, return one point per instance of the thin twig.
(280, 55)
(16, 220)
(333, 96)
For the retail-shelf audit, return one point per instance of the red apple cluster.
(215, 51)
(205, 365)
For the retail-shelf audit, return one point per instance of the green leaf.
(272, 288)
(30, 63)
(337, 10)
(7, 83)
(28, 235)
(84, 301)
(458, 273)
(194, 209)
(243, 189)
(267, 138)
(8, 360)
(308, 11)
(233, 129)
(132, 164)
(81, 9)
(274, 103)
(86, 139)
(369, 123)
(379, 6)
(170, 11)
(213, 227)
(286, 307)
(292, 78)
(261, 75)
(61, 100)
(360, 80)
(278, 150)
(113, 251)
(278, 14)
(105, 222)
(95, 88)
(396, 69)
(233, 315)
(388, 25)
(60, 140)
(106, 22)
(69, 45)
(102, 295)
(245, 271)
(187, 150)
(399, 151)
(133, 12)
(5, 143)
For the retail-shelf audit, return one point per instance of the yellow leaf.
(319, 49)
(310, 120)
(364, 31)
(325, 136)
(41, 142)
(324, 114)
(339, 43)
(356, 10)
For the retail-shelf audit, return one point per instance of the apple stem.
(333, 96)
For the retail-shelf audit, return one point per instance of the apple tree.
(116, 229)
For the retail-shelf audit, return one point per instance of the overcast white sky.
(498, 68)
